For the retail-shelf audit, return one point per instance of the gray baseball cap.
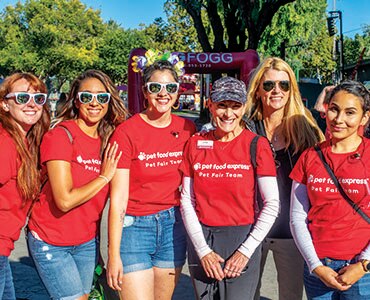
(229, 88)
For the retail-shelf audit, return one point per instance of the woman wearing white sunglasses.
(23, 122)
(147, 254)
(64, 224)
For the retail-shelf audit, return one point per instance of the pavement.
(29, 286)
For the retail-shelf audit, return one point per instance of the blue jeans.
(6, 280)
(66, 271)
(157, 240)
(317, 290)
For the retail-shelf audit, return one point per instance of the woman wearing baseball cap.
(217, 200)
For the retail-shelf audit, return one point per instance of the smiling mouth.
(30, 113)
(94, 111)
(228, 121)
(336, 128)
(163, 101)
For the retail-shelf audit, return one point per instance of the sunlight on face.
(345, 115)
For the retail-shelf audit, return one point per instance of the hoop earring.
(176, 105)
(145, 104)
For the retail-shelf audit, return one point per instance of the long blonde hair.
(298, 126)
(28, 177)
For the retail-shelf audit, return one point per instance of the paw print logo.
(197, 166)
(310, 178)
(141, 156)
(79, 159)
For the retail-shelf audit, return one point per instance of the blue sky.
(130, 13)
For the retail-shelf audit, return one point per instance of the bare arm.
(319, 105)
(65, 195)
(118, 203)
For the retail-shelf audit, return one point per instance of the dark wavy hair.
(159, 65)
(117, 112)
(355, 88)
(28, 177)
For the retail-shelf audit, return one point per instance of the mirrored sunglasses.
(156, 87)
(24, 98)
(86, 97)
(269, 85)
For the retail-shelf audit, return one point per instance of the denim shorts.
(157, 240)
(317, 290)
(66, 271)
(6, 280)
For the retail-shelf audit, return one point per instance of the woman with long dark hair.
(332, 227)
(64, 225)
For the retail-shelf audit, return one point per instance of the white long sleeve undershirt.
(270, 195)
(300, 205)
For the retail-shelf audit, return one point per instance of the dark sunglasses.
(24, 98)
(156, 87)
(269, 85)
(86, 97)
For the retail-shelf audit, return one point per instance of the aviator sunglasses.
(156, 87)
(269, 85)
(86, 97)
(24, 98)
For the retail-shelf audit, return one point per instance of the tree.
(354, 46)
(234, 22)
(50, 38)
(114, 49)
(301, 26)
(176, 34)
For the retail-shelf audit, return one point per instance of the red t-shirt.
(337, 231)
(80, 224)
(13, 212)
(224, 179)
(153, 156)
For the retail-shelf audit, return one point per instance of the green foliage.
(175, 34)
(114, 48)
(354, 47)
(49, 38)
(302, 25)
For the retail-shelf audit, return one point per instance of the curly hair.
(299, 127)
(117, 112)
(28, 177)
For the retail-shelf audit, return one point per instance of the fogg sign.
(206, 60)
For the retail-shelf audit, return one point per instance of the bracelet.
(365, 265)
(105, 178)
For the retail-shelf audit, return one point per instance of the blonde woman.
(275, 110)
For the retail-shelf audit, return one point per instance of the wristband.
(105, 178)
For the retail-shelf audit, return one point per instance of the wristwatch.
(366, 265)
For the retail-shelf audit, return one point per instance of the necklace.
(275, 134)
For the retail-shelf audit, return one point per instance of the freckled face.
(25, 115)
(277, 98)
(92, 113)
(162, 101)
